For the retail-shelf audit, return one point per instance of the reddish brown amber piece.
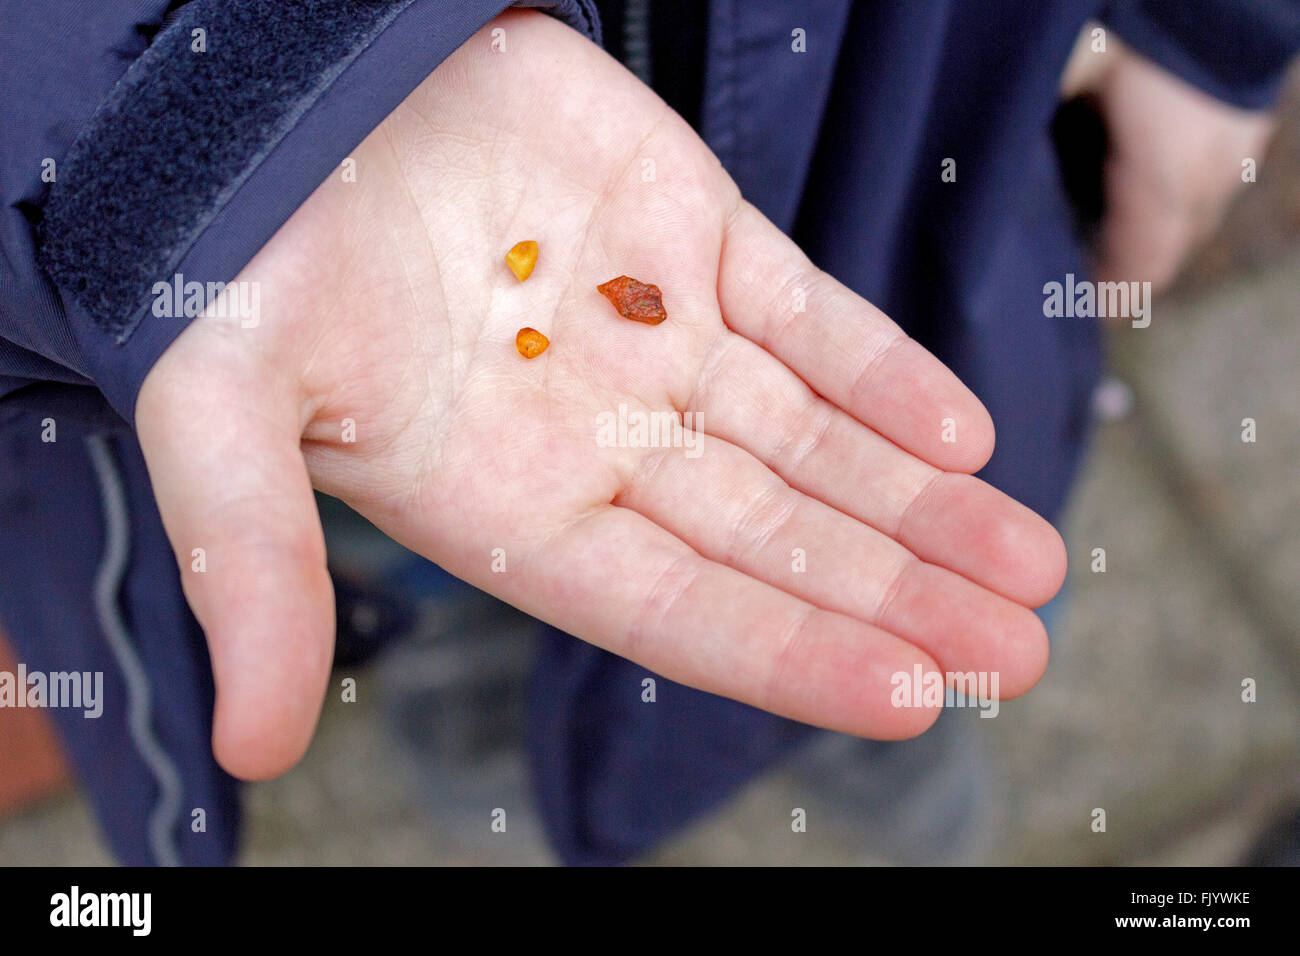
(531, 343)
(635, 300)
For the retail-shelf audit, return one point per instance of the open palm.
(816, 532)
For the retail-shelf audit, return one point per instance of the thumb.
(221, 440)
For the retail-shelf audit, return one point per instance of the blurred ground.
(1140, 714)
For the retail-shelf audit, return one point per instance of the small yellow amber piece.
(531, 343)
(521, 258)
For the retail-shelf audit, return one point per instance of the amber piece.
(635, 300)
(521, 258)
(531, 343)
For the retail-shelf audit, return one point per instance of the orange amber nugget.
(531, 343)
(635, 300)
(521, 258)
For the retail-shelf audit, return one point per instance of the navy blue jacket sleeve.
(142, 139)
(1235, 50)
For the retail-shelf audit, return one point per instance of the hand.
(1175, 161)
(386, 301)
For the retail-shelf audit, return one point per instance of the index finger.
(845, 348)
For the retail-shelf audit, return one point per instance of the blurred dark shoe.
(369, 617)
(933, 800)
(1279, 844)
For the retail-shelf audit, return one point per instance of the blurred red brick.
(31, 763)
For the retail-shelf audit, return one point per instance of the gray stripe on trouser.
(108, 584)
